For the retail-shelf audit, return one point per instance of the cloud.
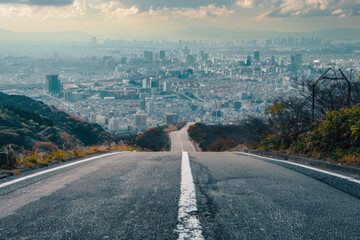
(114, 9)
(200, 13)
(39, 2)
(303, 8)
(75, 9)
(146, 5)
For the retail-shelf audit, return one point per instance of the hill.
(218, 138)
(33, 125)
(22, 37)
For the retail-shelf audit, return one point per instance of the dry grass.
(126, 148)
(351, 160)
(33, 158)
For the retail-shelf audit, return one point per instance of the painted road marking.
(53, 169)
(191, 145)
(308, 167)
(188, 223)
(182, 149)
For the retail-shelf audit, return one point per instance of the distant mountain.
(224, 33)
(31, 124)
(6, 36)
(338, 33)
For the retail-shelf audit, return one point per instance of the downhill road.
(182, 194)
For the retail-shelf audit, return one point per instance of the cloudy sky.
(115, 18)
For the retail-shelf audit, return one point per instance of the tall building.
(154, 83)
(162, 55)
(150, 109)
(148, 56)
(53, 84)
(114, 124)
(68, 96)
(190, 60)
(248, 61)
(296, 61)
(256, 56)
(110, 64)
(180, 44)
(273, 62)
(140, 121)
(167, 87)
(171, 118)
(146, 83)
(142, 105)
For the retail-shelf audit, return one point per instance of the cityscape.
(131, 86)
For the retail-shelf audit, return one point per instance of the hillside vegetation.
(153, 139)
(34, 125)
(33, 133)
(332, 133)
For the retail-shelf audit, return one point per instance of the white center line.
(53, 169)
(188, 223)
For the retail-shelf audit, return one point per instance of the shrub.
(77, 153)
(59, 154)
(95, 149)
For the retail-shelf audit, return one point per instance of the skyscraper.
(248, 61)
(167, 87)
(148, 56)
(140, 121)
(256, 56)
(296, 61)
(162, 55)
(150, 108)
(146, 83)
(142, 105)
(53, 84)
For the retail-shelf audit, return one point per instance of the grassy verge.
(18, 161)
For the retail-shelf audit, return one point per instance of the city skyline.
(141, 18)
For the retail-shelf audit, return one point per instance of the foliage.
(337, 136)
(95, 149)
(77, 154)
(60, 154)
(154, 139)
(35, 126)
(226, 137)
(124, 147)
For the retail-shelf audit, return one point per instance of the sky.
(114, 18)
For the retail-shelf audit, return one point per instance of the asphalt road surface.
(181, 194)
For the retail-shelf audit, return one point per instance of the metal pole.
(313, 103)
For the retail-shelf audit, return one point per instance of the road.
(182, 194)
(180, 141)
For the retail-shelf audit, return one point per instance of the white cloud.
(111, 9)
(303, 8)
(76, 9)
(114, 8)
(246, 3)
